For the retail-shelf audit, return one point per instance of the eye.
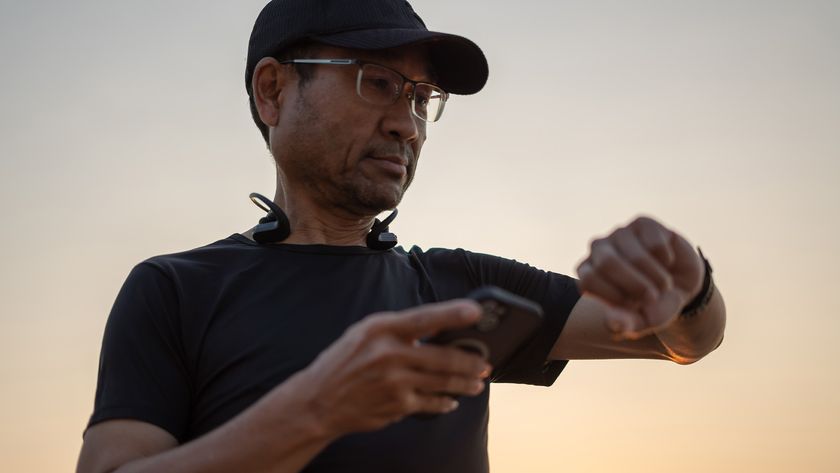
(425, 95)
(422, 99)
(378, 83)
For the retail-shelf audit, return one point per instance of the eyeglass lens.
(382, 86)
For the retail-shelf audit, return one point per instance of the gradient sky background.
(125, 133)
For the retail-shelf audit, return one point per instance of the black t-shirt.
(194, 338)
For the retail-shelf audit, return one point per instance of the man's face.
(342, 151)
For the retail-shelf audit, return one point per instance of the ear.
(270, 78)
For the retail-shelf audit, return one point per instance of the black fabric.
(196, 337)
(460, 65)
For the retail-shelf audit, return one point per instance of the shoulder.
(478, 267)
(215, 252)
(221, 255)
(442, 261)
(465, 270)
(449, 256)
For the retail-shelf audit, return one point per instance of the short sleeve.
(556, 293)
(142, 370)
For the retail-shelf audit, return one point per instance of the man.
(299, 350)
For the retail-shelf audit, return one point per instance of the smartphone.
(507, 322)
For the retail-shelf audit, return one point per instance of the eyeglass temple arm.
(320, 61)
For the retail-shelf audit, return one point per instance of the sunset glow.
(125, 133)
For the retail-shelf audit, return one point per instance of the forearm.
(278, 434)
(689, 339)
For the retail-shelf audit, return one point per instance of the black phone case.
(507, 321)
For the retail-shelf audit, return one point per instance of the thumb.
(618, 321)
(660, 312)
(429, 319)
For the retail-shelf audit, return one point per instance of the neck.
(315, 224)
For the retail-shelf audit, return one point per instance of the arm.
(635, 283)
(279, 433)
(372, 376)
(586, 337)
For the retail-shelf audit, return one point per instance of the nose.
(400, 121)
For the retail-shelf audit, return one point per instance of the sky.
(125, 133)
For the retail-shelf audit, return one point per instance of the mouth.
(391, 164)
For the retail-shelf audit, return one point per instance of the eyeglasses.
(380, 85)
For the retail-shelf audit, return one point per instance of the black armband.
(706, 291)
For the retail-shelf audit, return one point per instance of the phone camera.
(492, 313)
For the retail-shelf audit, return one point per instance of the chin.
(382, 203)
(378, 200)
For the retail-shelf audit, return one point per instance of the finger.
(654, 316)
(433, 403)
(688, 267)
(611, 265)
(426, 383)
(447, 360)
(593, 283)
(628, 245)
(428, 319)
(655, 238)
(666, 308)
(622, 323)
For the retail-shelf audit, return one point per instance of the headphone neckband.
(275, 227)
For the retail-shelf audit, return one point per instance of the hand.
(378, 372)
(644, 273)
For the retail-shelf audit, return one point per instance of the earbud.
(274, 226)
(379, 237)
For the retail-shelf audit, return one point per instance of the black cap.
(459, 64)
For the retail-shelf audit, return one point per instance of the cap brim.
(459, 64)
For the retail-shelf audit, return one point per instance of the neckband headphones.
(274, 227)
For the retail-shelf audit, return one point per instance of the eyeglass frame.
(361, 64)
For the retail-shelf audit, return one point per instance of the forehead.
(412, 61)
